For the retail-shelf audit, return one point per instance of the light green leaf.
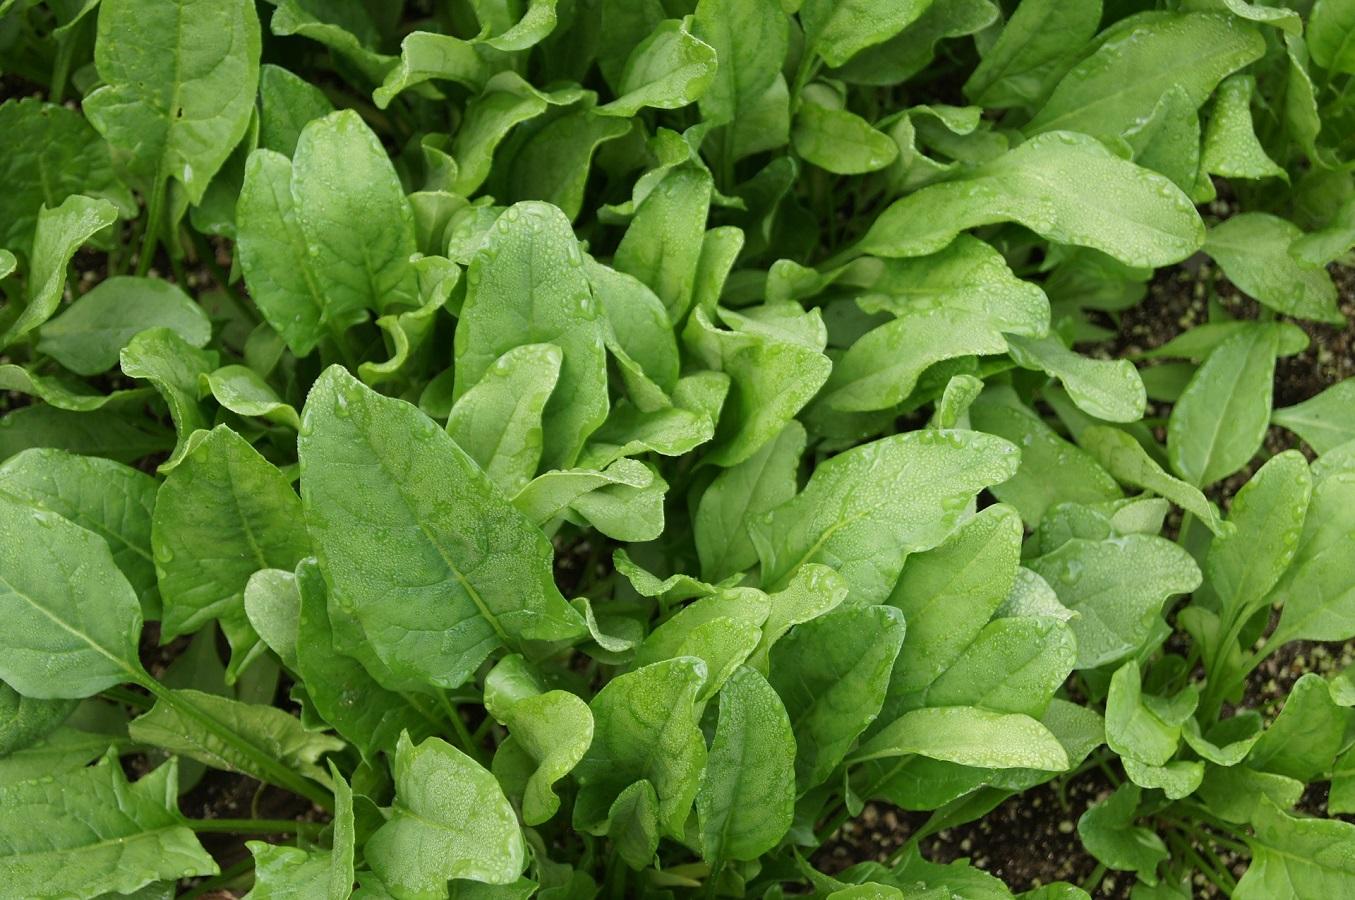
(426, 55)
(89, 334)
(1118, 586)
(1231, 148)
(178, 112)
(421, 591)
(90, 832)
(553, 730)
(244, 392)
(73, 620)
(1253, 250)
(1125, 459)
(1305, 737)
(1298, 857)
(24, 721)
(862, 511)
(1109, 834)
(287, 104)
(669, 69)
(1014, 665)
(832, 673)
(662, 245)
(840, 141)
(450, 819)
(1325, 421)
(747, 794)
(1110, 390)
(174, 368)
(1331, 35)
(1045, 184)
(969, 736)
(1133, 729)
(1036, 46)
(498, 421)
(1318, 588)
(837, 31)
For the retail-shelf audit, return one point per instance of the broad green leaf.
(287, 104)
(346, 29)
(1126, 460)
(553, 494)
(1133, 729)
(1052, 470)
(837, 31)
(1176, 779)
(1205, 338)
(747, 794)
(1121, 82)
(90, 333)
(244, 392)
(420, 590)
(1037, 45)
(1325, 421)
(424, 56)
(1234, 793)
(1296, 856)
(24, 721)
(967, 275)
(288, 873)
(90, 833)
(1231, 148)
(7, 263)
(73, 620)
(174, 367)
(1267, 515)
(116, 435)
(356, 225)
(669, 69)
(47, 153)
(969, 736)
(1118, 586)
(1168, 141)
(111, 500)
(178, 112)
(640, 339)
(1110, 390)
(1318, 588)
(840, 141)
(232, 735)
(1305, 737)
(528, 286)
(1045, 184)
(750, 42)
(881, 369)
(273, 607)
(947, 594)
(832, 673)
(1253, 250)
(66, 393)
(814, 591)
(450, 819)
(1331, 35)
(1014, 665)
(553, 731)
(1109, 834)
(553, 164)
(59, 233)
(645, 729)
(507, 101)
(1219, 422)
(867, 508)
(343, 692)
(740, 494)
(911, 50)
(772, 378)
(498, 421)
(224, 513)
(662, 245)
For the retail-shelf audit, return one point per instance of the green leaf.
(750, 42)
(1305, 737)
(178, 112)
(74, 621)
(1293, 856)
(1052, 471)
(273, 607)
(530, 273)
(553, 731)
(1014, 665)
(740, 494)
(1110, 390)
(1121, 82)
(1219, 422)
(840, 141)
(244, 392)
(867, 508)
(48, 153)
(90, 333)
(662, 246)
(1118, 586)
(420, 591)
(1133, 729)
(449, 820)
(174, 368)
(1126, 460)
(1231, 148)
(832, 673)
(90, 832)
(1253, 251)
(425, 56)
(116, 435)
(24, 721)
(498, 421)
(232, 735)
(287, 104)
(645, 730)
(1325, 421)
(969, 736)
(1331, 35)
(59, 233)
(1036, 46)
(667, 70)
(747, 795)
(1109, 834)
(837, 31)
(105, 497)
(1134, 215)
(1318, 588)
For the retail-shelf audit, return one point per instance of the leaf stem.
(155, 211)
(267, 768)
(228, 875)
(254, 826)
(463, 734)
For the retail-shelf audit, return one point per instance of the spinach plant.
(575, 448)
